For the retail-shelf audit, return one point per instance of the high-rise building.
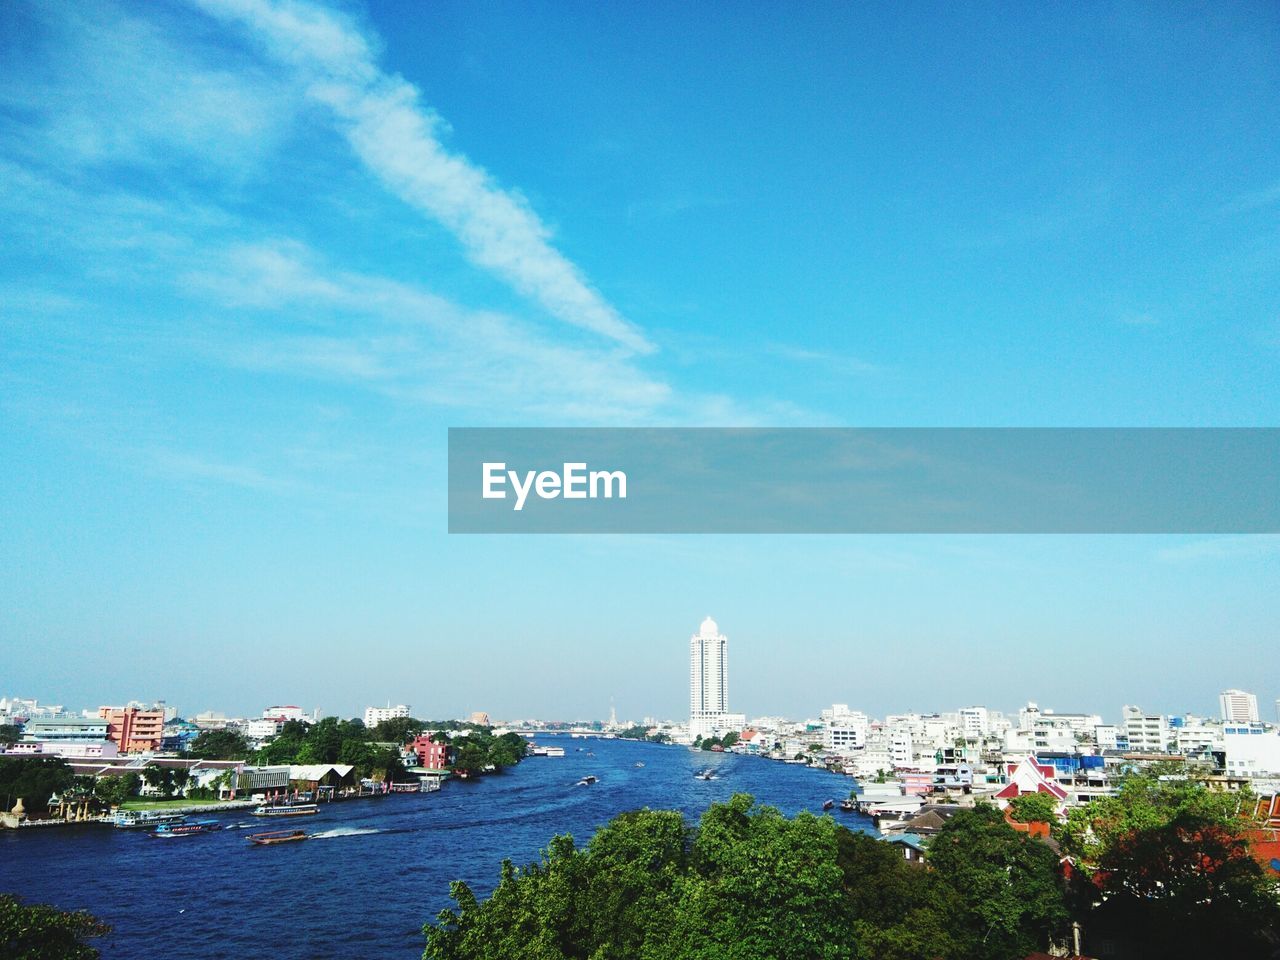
(1238, 706)
(708, 679)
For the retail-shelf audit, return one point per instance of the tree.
(1034, 808)
(1014, 900)
(114, 791)
(9, 734)
(1169, 869)
(220, 745)
(398, 730)
(40, 932)
(748, 883)
(34, 779)
(167, 780)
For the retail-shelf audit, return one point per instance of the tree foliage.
(114, 791)
(40, 932)
(748, 883)
(220, 745)
(1034, 808)
(34, 779)
(9, 734)
(1169, 869)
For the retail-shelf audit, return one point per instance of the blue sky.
(256, 257)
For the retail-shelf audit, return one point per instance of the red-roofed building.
(1030, 776)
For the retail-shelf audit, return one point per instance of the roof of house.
(907, 840)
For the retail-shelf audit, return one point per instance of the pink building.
(431, 755)
(133, 729)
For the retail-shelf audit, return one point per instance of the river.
(376, 869)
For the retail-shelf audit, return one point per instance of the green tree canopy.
(34, 779)
(1168, 869)
(40, 932)
(745, 884)
(220, 745)
(1034, 808)
(1013, 899)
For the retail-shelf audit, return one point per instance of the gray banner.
(889, 480)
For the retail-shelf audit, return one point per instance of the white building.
(1252, 749)
(1106, 736)
(1146, 734)
(845, 730)
(290, 713)
(1238, 706)
(375, 715)
(974, 722)
(263, 729)
(708, 680)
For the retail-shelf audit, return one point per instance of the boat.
(705, 775)
(144, 819)
(847, 805)
(553, 751)
(639, 763)
(286, 810)
(276, 836)
(186, 829)
(586, 781)
(828, 804)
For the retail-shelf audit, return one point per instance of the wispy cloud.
(399, 140)
(839, 363)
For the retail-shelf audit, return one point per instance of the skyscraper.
(708, 679)
(1238, 706)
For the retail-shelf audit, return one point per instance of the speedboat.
(186, 829)
(847, 805)
(828, 804)
(278, 836)
(586, 781)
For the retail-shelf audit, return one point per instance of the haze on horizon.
(259, 255)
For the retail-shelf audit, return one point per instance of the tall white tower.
(708, 679)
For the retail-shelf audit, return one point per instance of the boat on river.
(144, 819)
(587, 781)
(847, 805)
(276, 836)
(828, 804)
(286, 810)
(186, 829)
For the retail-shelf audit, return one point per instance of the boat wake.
(344, 832)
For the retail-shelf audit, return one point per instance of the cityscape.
(900, 762)
(665, 481)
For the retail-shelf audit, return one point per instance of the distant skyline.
(257, 257)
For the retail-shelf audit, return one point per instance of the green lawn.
(137, 804)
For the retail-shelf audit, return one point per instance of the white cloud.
(398, 139)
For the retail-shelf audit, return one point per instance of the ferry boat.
(144, 819)
(277, 836)
(186, 829)
(553, 751)
(286, 810)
